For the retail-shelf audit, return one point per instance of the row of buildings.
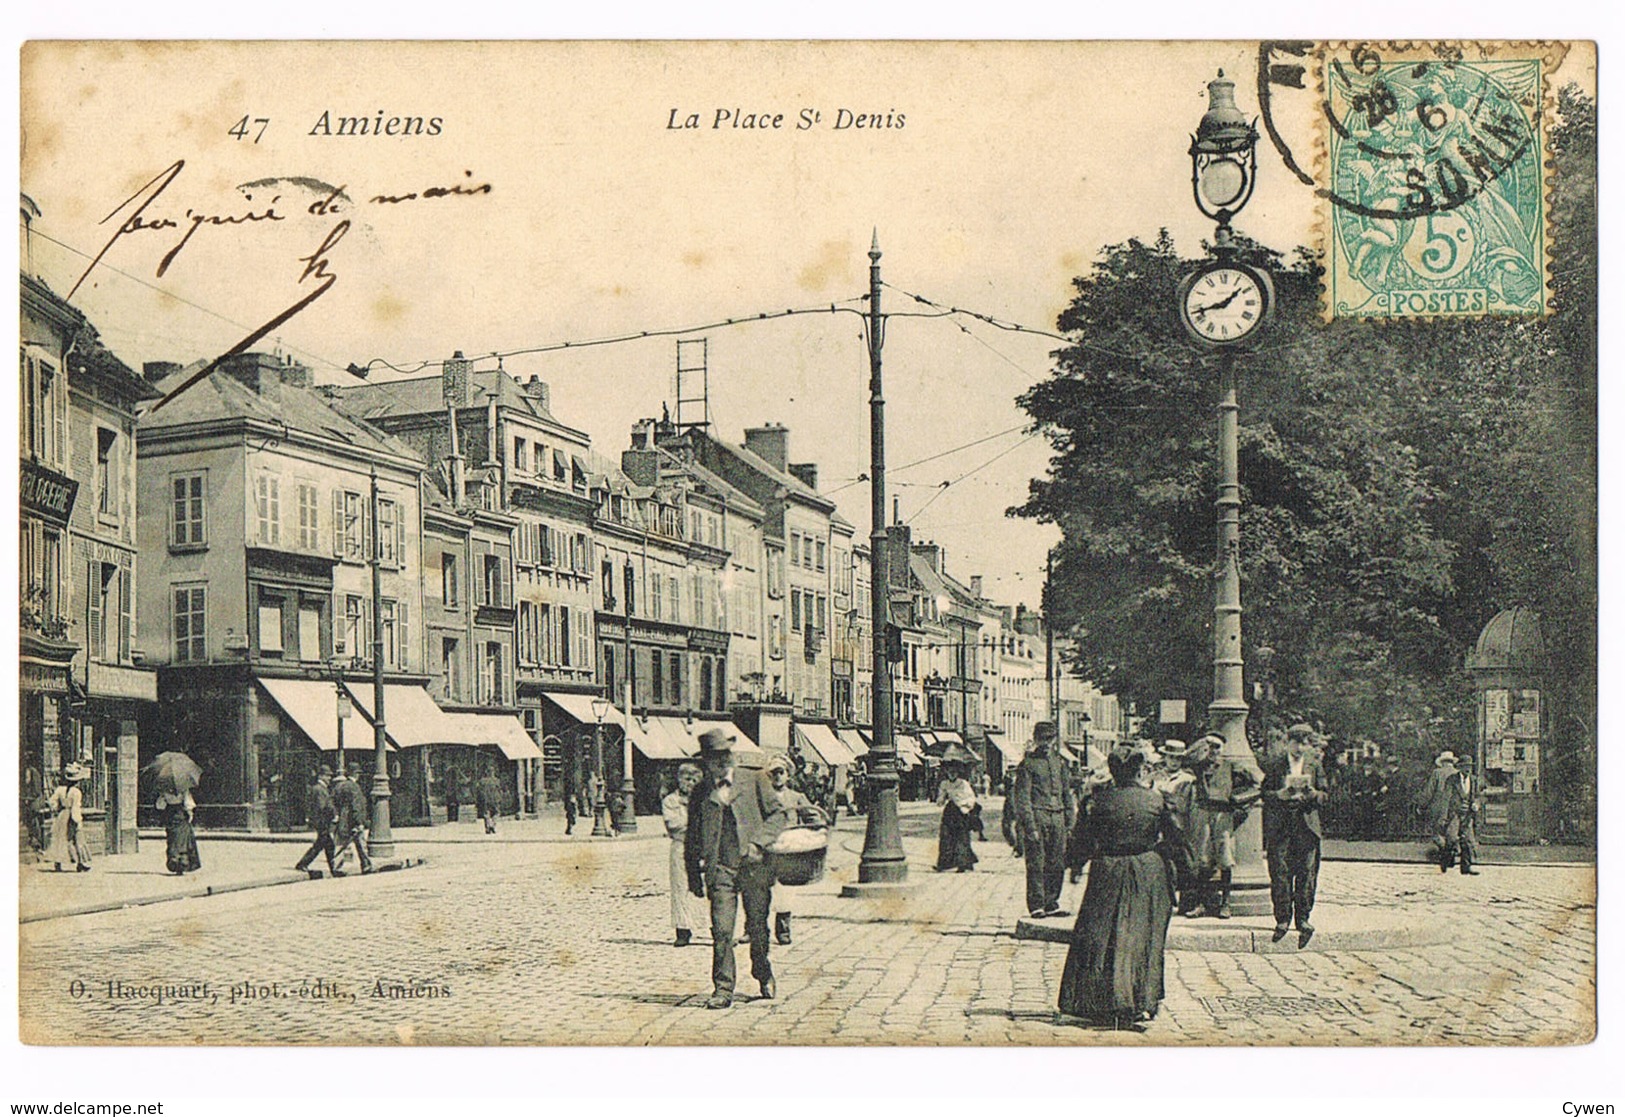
(215, 592)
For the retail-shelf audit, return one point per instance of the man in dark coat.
(727, 862)
(350, 819)
(1452, 798)
(454, 792)
(319, 814)
(488, 800)
(1294, 788)
(1045, 809)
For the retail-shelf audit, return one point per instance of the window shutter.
(93, 595)
(338, 523)
(125, 616)
(402, 645)
(369, 546)
(505, 572)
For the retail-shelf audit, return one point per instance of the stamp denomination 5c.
(1433, 179)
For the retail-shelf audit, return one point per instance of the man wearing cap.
(350, 819)
(1453, 799)
(319, 813)
(726, 861)
(1177, 783)
(1221, 792)
(1045, 809)
(1294, 789)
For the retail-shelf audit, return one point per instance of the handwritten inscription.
(138, 215)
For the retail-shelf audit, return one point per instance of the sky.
(1006, 168)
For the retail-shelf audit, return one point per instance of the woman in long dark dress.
(180, 854)
(961, 816)
(1114, 967)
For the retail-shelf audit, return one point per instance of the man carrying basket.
(732, 827)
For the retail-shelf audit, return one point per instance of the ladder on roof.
(693, 384)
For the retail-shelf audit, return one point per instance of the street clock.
(1225, 303)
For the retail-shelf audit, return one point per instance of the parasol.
(174, 772)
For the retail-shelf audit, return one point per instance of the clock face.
(1224, 304)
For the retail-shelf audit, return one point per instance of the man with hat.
(1453, 799)
(1294, 789)
(1045, 809)
(350, 819)
(725, 855)
(1221, 793)
(319, 813)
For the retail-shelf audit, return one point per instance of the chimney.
(261, 373)
(298, 376)
(154, 371)
(455, 380)
(640, 434)
(642, 466)
(771, 443)
(536, 388)
(931, 553)
(976, 585)
(806, 473)
(896, 512)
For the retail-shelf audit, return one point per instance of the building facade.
(256, 594)
(84, 686)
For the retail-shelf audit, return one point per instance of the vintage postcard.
(808, 543)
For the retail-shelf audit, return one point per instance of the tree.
(1402, 483)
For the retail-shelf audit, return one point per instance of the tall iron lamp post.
(600, 823)
(1224, 304)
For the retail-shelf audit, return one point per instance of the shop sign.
(48, 493)
(44, 678)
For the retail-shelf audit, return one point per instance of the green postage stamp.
(1434, 179)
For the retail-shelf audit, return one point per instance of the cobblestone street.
(569, 944)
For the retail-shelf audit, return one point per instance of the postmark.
(1432, 168)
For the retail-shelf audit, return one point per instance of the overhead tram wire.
(640, 335)
(946, 485)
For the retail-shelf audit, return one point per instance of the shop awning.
(411, 717)
(504, 731)
(908, 751)
(853, 740)
(743, 745)
(648, 737)
(823, 744)
(1012, 751)
(313, 707)
(947, 737)
(676, 731)
(1068, 753)
(579, 706)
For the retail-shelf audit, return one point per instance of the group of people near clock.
(1157, 829)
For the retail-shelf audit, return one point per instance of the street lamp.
(1224, 304)
(1224, 158)
(600, 823)
(345, 705)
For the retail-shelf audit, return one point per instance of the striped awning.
(823, 744)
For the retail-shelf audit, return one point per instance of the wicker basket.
(799, 855)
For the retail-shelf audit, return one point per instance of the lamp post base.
(626, 810)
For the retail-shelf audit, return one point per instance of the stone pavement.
(516, 943)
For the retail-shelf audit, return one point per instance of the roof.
(1512, 640)
(221, 396)
(89, 355)
(423, 395)
(710, 480)
(761, 465)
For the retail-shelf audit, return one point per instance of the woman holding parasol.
(175, 777)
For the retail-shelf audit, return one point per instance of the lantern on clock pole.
(1224, 305)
